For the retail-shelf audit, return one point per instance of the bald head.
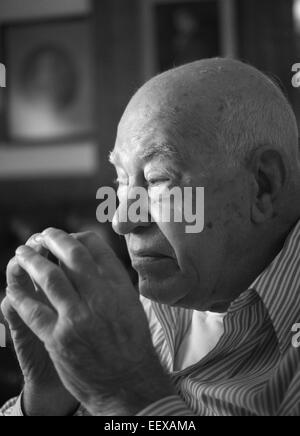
(222, 107)
(225, 126)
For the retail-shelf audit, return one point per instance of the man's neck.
(265, 249)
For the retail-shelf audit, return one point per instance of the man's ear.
(269, 169)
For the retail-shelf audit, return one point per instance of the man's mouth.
(140, 258)
(148, 254)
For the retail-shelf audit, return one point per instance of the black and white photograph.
(149, 210)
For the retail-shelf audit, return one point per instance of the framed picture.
(49, 97)
(180, 31)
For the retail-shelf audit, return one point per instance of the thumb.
(10, 314)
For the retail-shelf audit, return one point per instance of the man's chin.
(165, 290)
(175, 291)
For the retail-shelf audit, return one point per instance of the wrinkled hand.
(94, 329)
(44, 392)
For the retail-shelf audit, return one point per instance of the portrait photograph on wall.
(50, 93)
(186, 31)
(176, 32)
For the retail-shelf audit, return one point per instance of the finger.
(49, 277)
(39, 318)
(109, 265)
(10, 314)
(36, 243)
(76, 260)
(15, 275)
(103, 255)
(12, 318)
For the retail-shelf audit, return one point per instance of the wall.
(57, 184)
(267, 37)
(118, 52)
(12, 10)
(119, 68)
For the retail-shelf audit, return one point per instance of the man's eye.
(157, 181)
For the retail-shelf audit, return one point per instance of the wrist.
(47, 401)
(141, 395)
(133, 395)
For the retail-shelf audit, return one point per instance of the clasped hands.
(80, 332)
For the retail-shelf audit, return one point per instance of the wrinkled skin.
(182, 109)
(37, 367)
(93, 327)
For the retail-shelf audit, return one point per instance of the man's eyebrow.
(161, 150)
(153, 151)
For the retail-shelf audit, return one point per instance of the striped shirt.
(254, 370)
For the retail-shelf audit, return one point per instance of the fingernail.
(22, 251)
(47, 231)
(38, 239)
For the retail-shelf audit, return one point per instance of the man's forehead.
(155, 138)
(147, 151)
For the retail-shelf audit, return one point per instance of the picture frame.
(49, 98)
(179, 31)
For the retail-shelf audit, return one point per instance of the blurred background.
(72, 66)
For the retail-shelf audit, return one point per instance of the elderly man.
(212, 331)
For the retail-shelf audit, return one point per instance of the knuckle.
(86, 235)
(77, 318)
(65, 339)
(32, 240)
(76, 253)
(50, 230)
(35, 314)
(75, 323)
(52, 277)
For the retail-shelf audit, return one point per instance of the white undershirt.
(204, 333)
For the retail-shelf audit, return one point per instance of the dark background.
(129, 41)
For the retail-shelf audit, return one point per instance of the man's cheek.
(169, 217)
(177, 239)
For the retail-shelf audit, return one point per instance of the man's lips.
(152, 262)
(145, 257)
(148, 255)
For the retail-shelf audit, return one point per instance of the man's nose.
(125, 221)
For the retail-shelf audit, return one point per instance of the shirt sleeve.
(282, 394)
(169, 406)
(290, 401)
(12, 408)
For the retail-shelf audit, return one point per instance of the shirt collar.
(279, 289)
